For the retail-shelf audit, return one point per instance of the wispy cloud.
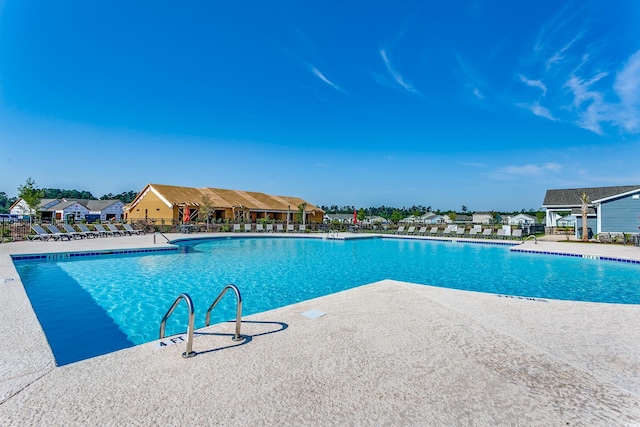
(539, 110)
(478, 94)
(534, 83)
(592, 106)
(396, 75)
(559, 55)
(473, 164)
(531, 169)
(322, 77)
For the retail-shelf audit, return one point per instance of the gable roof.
(571, 196)
(175, 195)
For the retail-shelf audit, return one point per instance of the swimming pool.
(112, 302)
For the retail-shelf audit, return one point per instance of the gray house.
(612, 209)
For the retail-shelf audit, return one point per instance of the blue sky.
(485, 104)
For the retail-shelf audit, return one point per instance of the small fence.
(12, 230)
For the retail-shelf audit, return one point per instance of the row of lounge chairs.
(460, 232)
(80, 231)
(269, 228)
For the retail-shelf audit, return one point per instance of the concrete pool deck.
(389, 353)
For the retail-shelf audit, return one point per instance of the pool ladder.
(184, 296)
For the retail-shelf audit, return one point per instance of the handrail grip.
(189, 352)
(237, 336)
(160, 233)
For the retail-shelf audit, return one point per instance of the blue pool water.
(94, 305)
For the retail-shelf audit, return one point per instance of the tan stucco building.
(168, 203)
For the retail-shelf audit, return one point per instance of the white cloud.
(321, 76)
(539, 110)
(477, 93)
(534, 83)
(594, 110)
(559, 55)
(396, 76)
(531, 169)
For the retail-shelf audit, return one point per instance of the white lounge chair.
(236, 227)
(269, 228)
(290, 228)
(460, 231)
(422, 231)
(487, 233)
(302, 228)
(501, 233)
(279, 228)
(411, 230)
(400, 230)
(433, 231)
(259, 228)
(247, 228)
(517, 234)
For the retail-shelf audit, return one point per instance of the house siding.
(622, 214)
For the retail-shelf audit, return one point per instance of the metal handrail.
(160, 233)
(189, 352)
(237, 336)
(535, 239)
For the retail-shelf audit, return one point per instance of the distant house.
(522, 219)
(341, 218)
(371, 220)
(464, 219)
(74, 209)
(611, 209)
(428, 218)
(567, 221)
(482, 217)
(411, 219)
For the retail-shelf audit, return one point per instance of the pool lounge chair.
(259, 228)
(290, 228)
(56, 232)
(302, 228)
(411, 230)
(115, 230)
(501, 233)
(460, 232)
(41, 234)
(400, 230)
(422, 231)
(236, 227)
(68, 228)
(131, 231)
(474, 232)
(487, 233)
(103, 232)
(88, 232)
(516, 234)
(247, 228)
(269, 228)
(279, 228)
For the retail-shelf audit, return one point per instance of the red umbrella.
(355, 217)
(186, 215)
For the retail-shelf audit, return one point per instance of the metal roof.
(223, 198)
